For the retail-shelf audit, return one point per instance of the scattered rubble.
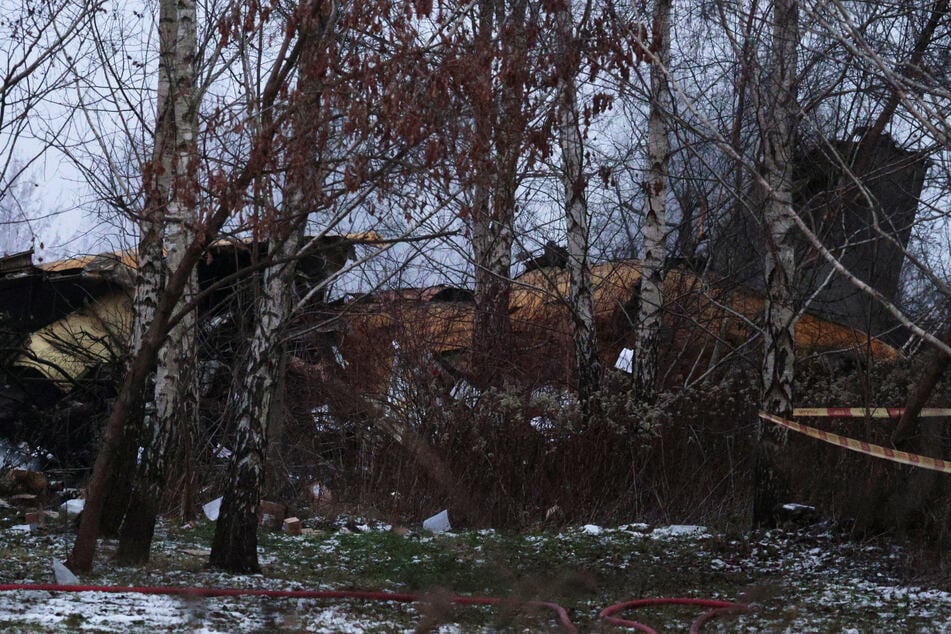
(438, 523)
(292, 526)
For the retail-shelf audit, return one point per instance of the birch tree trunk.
(587, 362)
(492, 235)
(175, 393)
(231, 194)
(158, 181)
(651, 302)
(779, 131)
(499, 130)
(235, 542)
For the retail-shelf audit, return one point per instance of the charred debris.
(64, 328)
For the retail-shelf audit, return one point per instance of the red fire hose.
(719, 608)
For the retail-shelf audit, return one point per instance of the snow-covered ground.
(808, 580)
(107, 612)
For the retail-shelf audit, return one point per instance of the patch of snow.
(99, 611)
(679, 530)
(335, 619)
(851, 590)
(637, 527)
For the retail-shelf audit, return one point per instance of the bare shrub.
(523, 457)
(519, 457)
(872, 494)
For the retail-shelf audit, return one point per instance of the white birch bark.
(235, 542)
(158, 184)
(651, 302)
(157, 179)
(175, 397)
(779, 131)
(176, 407)
(130, 391)
(778, 122)
(587, 362)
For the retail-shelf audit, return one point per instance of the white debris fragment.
(73, 507)
(212, 509)
(338, 357)
(319, 494)
(542, 424)
(625, 360)
(438, 523)
(63, 575)
(465, 392)
(802, 508)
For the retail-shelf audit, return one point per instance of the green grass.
(797, 581)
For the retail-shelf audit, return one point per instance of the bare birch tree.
(499, 124)
(235, 543)
(651, 296)
(329, 165)
(778, 122)
(229, 194)
(175, 195)
(574, 182)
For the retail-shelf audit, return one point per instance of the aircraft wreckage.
(64, 326)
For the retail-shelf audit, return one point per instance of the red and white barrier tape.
(869, 449)
(872, 412)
